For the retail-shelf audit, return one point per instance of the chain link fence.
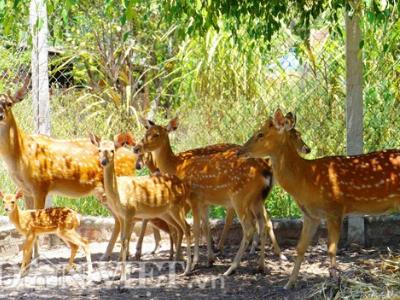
(103, 76)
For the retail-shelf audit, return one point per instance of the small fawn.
(32, 223)
(328, 187)
(161, 196)
(219, 178)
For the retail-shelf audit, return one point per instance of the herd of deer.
(236, 177)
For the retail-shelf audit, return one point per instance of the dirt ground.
(46, 281)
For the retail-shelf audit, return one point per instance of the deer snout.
(2, 116)
(306, 149)
(137, 149)
(139, 164)
(242, 153)
(104, 161)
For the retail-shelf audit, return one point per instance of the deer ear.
(123, 139)
(129, 139)
(1, 195)
(279, 120)
(173, 124)
(147, 123)
(19, 194)
(290, 121)
(94, 139)
(20, 94)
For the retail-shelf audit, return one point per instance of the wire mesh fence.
(103, 76)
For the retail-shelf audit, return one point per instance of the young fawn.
(146, 197)
(328, 187)
(32, 223)
(218, 178)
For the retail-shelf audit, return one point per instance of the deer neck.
(14, 217)
(289, 168)
(165, 159)
(12, 142)
(110, 182)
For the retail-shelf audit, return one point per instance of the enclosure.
(112, 63)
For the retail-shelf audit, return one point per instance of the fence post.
(354, 104)
(39, 65)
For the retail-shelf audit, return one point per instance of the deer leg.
(30, 204)
(127, 225)
(27, 253)
(171, 248)
(73, 238)
(157, 239)
(310, 226)
(171, 220)
(248, 232)
(270, 230)
(196, 233)
(205, 221)
(114, 235)
(139, 242)
(334, 226)
(259, 214)
(74, 250)
(256, 236)
(179, 216)
(230, 214)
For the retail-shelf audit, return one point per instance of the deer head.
(155, 137)
(10, 200)
(106, 149)
(278, 128)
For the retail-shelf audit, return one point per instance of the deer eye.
(260, 135)
(112, 151)
(12, 201)
(156, 135)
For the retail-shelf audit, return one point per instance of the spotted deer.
(218, 178)
(161, 196)
(32, 223)
(328, 187)
(41, 165)
(127, 140)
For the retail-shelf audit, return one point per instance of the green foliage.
(85, 206)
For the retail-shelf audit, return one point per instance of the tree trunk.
(354, 104)
(39, 64)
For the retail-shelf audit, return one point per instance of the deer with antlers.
(32, 223)
(328, 187)
(160, 196)
(218, 178)
(41, 165)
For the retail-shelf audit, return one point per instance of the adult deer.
(160, 196)
(328, 187)
(32, 223)
(218, 178)
(41, 165)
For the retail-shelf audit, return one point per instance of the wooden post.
(354, 103)
(39, 64)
